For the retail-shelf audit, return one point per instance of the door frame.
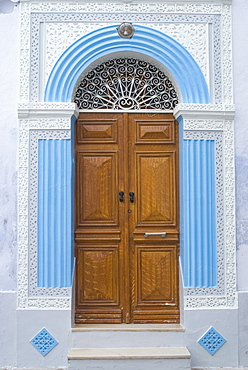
(153, 113)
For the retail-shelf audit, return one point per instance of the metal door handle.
(151, 234)
(131, 194)
(121, 196)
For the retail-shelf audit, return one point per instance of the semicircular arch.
(152, 43)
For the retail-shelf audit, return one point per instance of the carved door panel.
(126, 186)
(153, 222)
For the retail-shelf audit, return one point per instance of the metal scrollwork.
(126, 84)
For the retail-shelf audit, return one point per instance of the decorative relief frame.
(215, 122)
(37, 120)
(96, 21)
(169, 10)
(218, 129)
(60, 37)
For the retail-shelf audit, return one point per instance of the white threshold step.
(128, 353)
(128, 327)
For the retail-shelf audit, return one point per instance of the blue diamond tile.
(44, 342)
(212, 341)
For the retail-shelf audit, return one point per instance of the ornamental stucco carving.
(30, 130)
(51, 21)
(138, 8)
(225, 293)
(60, 36)
(61, 30)
(204, 11)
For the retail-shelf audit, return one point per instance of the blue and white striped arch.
(147, 41)
(197, 182)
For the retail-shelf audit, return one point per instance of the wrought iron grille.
(125, 83)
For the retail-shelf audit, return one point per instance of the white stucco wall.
(240, 75)
(9, 86)
(9, 96)
(240, 58)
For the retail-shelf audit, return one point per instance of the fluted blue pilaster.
(54, 213)
(198, 213)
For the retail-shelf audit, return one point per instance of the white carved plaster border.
(216, 119)
(91, 21)
(25, 52)
(227, 55)
(205, 8)
(144, 7)
(59, 36)
(53, 120)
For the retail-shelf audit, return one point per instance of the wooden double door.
(126, 218)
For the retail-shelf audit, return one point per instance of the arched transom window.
(125, 83)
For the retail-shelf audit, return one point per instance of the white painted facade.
(22, 315)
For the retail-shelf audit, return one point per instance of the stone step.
(171, 358)
(127, 335)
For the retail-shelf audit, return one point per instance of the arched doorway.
(196, 272)
(126, 208)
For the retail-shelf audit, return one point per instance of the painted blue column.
(198, 212)
(55, 218)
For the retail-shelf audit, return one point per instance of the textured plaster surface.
(7, 6)
(8, 329)
(243, 329)
(9, 80)
(197, 322)
(29, 323)
(240, 56)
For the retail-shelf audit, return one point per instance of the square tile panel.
(212, 341)
(43, 342)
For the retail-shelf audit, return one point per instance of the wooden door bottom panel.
(99, 317)
(157, 317)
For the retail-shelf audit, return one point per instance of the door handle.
(163, 234)
(121, 196)
(131, 194)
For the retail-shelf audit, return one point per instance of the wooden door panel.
(156, 188)
(155, 268)
(97, 179)
(155, 295)
(93, 130)
(98, 275)
(155, 130)
(155, 274)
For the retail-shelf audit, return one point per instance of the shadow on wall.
(7, 6)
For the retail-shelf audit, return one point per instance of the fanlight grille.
(126, 84)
